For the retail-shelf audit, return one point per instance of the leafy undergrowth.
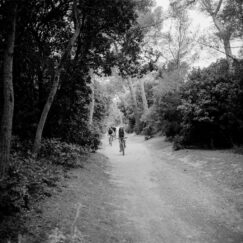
(29, 181)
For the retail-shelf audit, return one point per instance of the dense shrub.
(164, 116)
(125, 107)
(207, 111)
(212, 113)
(169, 116)
(27, 182)
(61, 153)
(68, 118)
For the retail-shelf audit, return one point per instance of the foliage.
(61, 153)
(29, 181)
(43, 30)
(206, 112)
(101, 109)
(125, 106)
(211, 108)
(164, 116)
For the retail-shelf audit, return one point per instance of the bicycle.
(123, 145)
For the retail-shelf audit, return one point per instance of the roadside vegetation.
(205, 112)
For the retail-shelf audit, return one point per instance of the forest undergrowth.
(29, 181)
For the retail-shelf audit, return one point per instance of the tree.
(92, 48)
(92, 103)
(8, 92)
(42, 34)
(150, 23)
(227, 18)
(211, 106)
(132, 62)
(143, 94)
(56, 80)
(178, 42)
(223, 25)
(134, 104)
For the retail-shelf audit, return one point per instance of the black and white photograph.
(121, 121)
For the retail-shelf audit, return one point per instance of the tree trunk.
(92, 104)
(144, 98)
(52, 93)
(228, 53)
(45, 112)
(135, 105)
(8, 97)
(224, 35)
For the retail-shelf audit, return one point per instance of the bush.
(94, 137)
(212, 113)
(27, 182)
(19, 146)
(148, 130)
(178, 142)
(164, 116)
(206, 112)
(61, 153)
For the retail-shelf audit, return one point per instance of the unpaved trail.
(159, 201)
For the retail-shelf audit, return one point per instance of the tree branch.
(208, 45)
(75, 14)
(218, 7)
(208, 7)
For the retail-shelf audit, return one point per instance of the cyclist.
(114, 131)
(121, 135)
(111, 135)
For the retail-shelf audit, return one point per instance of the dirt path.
(150, 195)
(160, 200)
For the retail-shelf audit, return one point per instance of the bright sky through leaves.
(201, 22)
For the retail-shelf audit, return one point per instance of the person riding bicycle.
(111, 134)
(110, 131)
(114, 131)
(121, 135)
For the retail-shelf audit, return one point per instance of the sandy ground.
(152, 194)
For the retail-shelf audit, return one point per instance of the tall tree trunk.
(8, 96)
(54, 87)
(144, 98)
(120, 117)
(134, 104)
(92, 104)
(45, 112)
(228, 53)
(224, 33)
